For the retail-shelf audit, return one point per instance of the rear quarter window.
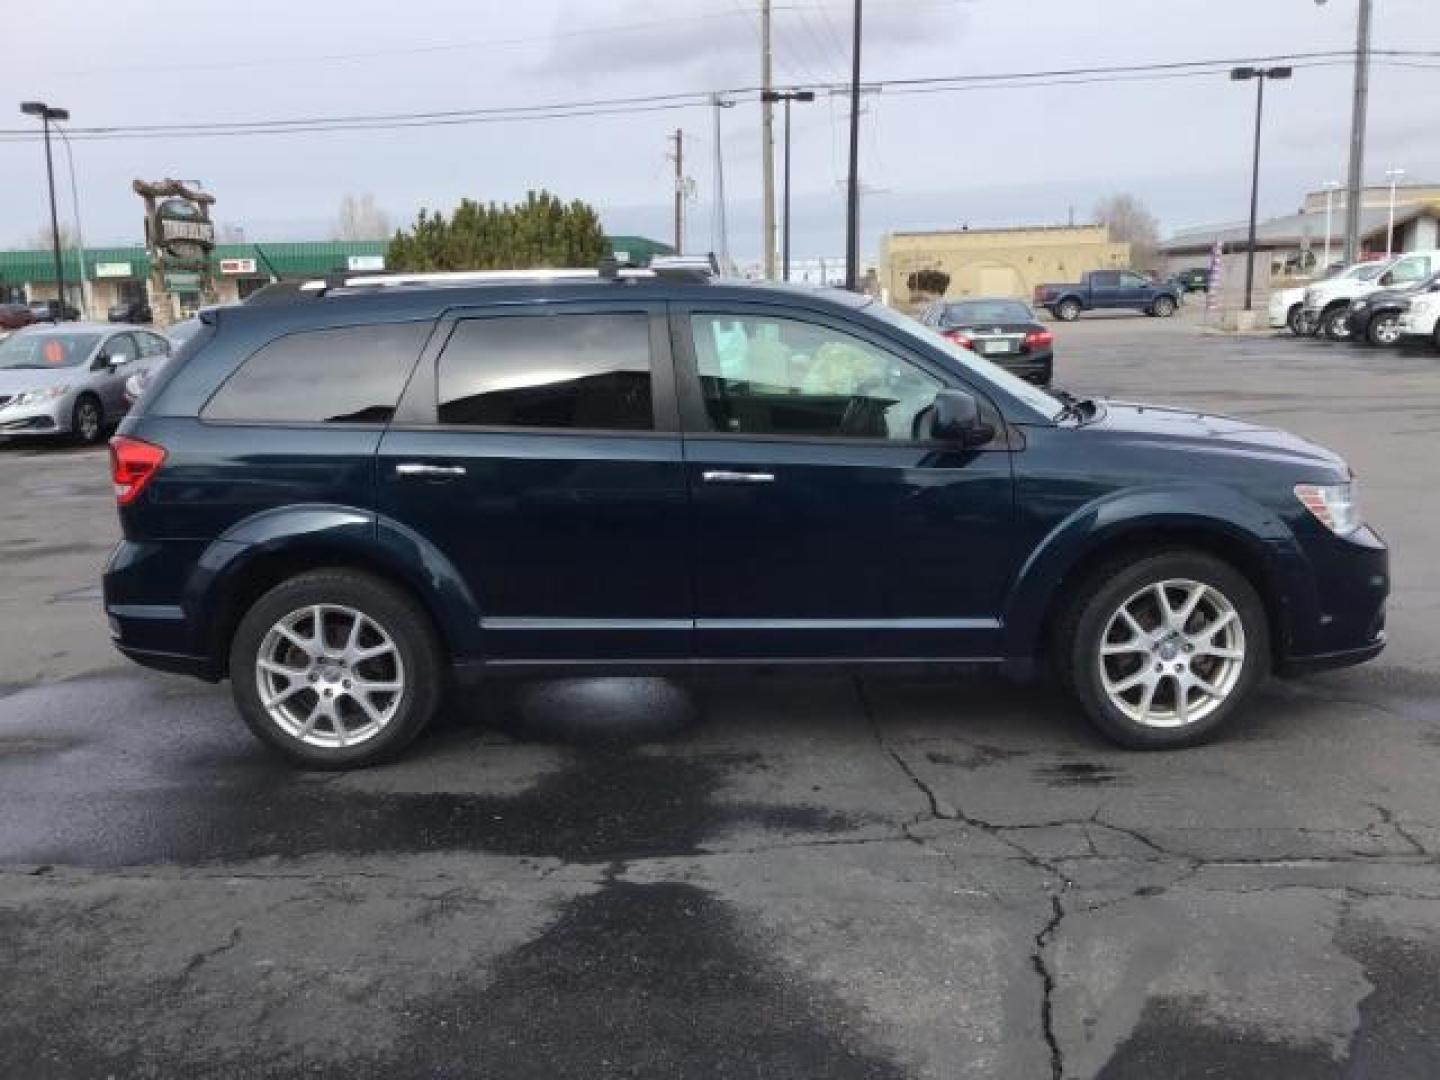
(348, 375)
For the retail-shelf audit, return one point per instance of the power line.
(694, 99)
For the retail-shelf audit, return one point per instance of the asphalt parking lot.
(796, 876)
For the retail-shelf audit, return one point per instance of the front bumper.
(43, 418)
(1338, 616)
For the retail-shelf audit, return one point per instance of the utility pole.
(1357, 134)
(767, 141)
(852, 198)
(1393, 175)
(679, 158)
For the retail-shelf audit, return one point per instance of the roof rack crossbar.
(694, 269)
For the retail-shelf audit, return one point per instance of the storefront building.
(120, 275)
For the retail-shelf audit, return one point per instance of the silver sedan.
(69, 379)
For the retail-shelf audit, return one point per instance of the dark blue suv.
(352, 496)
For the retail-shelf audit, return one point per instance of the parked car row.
(1381, 302)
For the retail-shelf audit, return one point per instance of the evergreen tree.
(539, 232)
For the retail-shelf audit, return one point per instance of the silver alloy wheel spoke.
(327, 695)
(1172, 653)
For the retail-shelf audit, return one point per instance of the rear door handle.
(433, 472)
(723, 476)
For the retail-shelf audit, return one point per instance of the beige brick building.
(995, 262)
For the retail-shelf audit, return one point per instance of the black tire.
(87, 420)
(389, 607)
(1163, 307)
(1295, 320)
(1335, 324)
(1384, 329)
(1067, 310)
(1079, 634)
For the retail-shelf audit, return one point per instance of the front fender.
(348, 535)
(1153, 511)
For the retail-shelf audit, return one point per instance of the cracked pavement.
(798, 876)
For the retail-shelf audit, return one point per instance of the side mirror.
(114, 361)
(955, 417)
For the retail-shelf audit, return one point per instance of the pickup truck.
(1108, 289)
(1327, 303)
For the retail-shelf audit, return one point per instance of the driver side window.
(761, 375)
(120, 349)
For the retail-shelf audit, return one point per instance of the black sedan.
(999, 329)
(1375, 317)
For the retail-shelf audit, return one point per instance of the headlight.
(1336, 506)
(45, 393)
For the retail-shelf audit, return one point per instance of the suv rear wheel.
(1163, 307)
(1162, 649)
(335, 669)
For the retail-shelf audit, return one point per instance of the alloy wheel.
(1172, 653)
(330, 676)
(1386, 330)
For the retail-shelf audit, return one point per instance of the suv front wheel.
(1161, 650)
(336, 669)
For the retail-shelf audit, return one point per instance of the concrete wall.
(996, 262)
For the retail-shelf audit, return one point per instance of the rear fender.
(317, 533)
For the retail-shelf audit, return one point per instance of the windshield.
(1031, 395)
(46, 350)
(1366, 271)
(970, 312)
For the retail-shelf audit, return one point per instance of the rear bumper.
(1035, 369)
(149, 623)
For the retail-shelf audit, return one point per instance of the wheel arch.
(1255, 544)
(260, 552)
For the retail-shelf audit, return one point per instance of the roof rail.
(677, 269)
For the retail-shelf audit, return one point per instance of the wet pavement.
(799, 876)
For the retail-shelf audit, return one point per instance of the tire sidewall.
(1330, 324)
(1164, 307)
(1294, 320)
(401, 618)
(1068, 311)
(1100, 607)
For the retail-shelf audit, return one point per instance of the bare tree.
(44, 239)
(1130, 220)
(361, 219)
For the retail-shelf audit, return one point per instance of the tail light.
(1038, 338)
(961, 339)
(132, 463)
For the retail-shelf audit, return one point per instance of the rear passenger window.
(352, 375)
(582, 371)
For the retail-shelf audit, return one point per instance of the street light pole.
(1330, 186)
(1392, 175)
(787, 98)
(48, 113)
(1260, 75)
(852, 196)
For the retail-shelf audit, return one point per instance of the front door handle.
(723, 476)
(433, 472)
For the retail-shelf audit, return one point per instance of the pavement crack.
(1047, 984)
(204, 956)
(938, 809)
(1387, 817)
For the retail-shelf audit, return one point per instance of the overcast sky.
(987, 157)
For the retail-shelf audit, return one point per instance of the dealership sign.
(112, 269)
(179, 235)
(365, 262)
(237, 266)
